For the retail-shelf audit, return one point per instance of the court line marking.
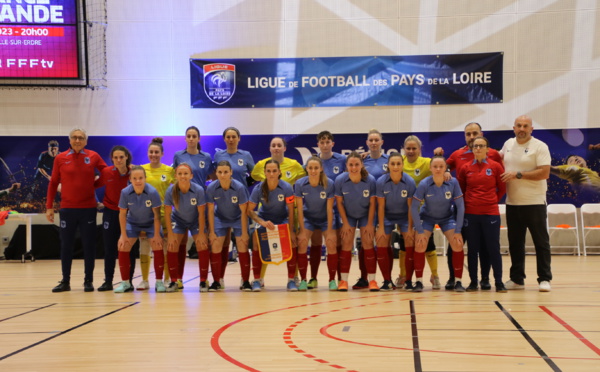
(415, 338)
(578, 335)
(66, 331)
(524, 333)
(27, 312)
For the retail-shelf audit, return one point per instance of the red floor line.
(579, 336)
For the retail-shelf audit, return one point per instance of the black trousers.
(519, 219)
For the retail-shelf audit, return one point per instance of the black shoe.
(88, 286)
(106, 286)
(458, 287)
(485, 285)
(450, 284)
(472, 287)
(215, 286)
(500, 287)
(361, 284)
(63, 286)
(408, 286)
(418, 287)
(387, 286)
(246, 286)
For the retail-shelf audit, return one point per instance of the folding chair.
(590, 221)
(563, 217)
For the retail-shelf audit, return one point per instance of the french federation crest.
(366, 193)
(234, 199)
(201, 164)
(241, 162)
(404, 193)
(336, 169)
(219, 82)
(193, 201)
(448, 194)
(385, 168)
(148, 203)
(417, 172)
(488, 172)
(288, 174)
(323, 194)
(86, 160)
(280, 197)
(163, 177)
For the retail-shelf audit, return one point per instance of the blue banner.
(347, 81)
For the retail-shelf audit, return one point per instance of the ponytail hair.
(363, 172)
(176, 189)
(264, 187)
(322, 176)
(197, 131)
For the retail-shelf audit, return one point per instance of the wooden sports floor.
(304, 331)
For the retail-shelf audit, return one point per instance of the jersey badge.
(86, 160)
(366, 193)
(448, 194)
(323, 195)
(193, 201)
(336, 169)
(404, 193)
(234, 199)
(241, 162)
(148, 203)
(488, 172)
(280, 197)
(201, 164)
(417, 172)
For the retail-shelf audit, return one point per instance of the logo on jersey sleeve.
(366, 193)
(86, 160)
(106, 225)
(385, 167)
(201, 164)
(323, 195)
(288, 174)
(148, 203)
(173, 224)
(448, 194)
(404, 193)
(336, 170)
(163, 177)
(488, 172)
(417, 172)
(280, 197)
(194, 201)
(234, 199)
(241, 162)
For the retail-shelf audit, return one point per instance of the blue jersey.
(227, 202)
(334, 166)
(275, 208)
(201, 164)
(314, 199)
(438, 203)
(376, 167)
(357, 196)
(396, 195)
(241, 162)
(140, 207)
(188, 204)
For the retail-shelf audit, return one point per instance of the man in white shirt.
(527, 162)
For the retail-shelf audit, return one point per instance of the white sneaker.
(435, 281)
(144, 285)
(545, 286)
(222, 283)
(512, 285)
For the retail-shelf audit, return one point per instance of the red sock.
(215, 266)
(458, 259)
(332, 265)
(370, 261)
(173, 262)
(181, 258)
(315, 260)
(203, 262)
(303, 264)
(256, 264)
(383, 259)
(345, 261)
(339, 261)
(409, 263)
(224, 257)
(159, 263)
(390, 252)
(291, 264)
(244, 258)
(419, 262)
(124, 265)
(361, 263)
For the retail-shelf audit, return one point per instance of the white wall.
(551, 68)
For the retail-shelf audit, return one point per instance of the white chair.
(590, 221)
(563, 217)
(503, 229)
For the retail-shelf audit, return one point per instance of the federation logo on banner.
(275, 246)
(219, 82)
